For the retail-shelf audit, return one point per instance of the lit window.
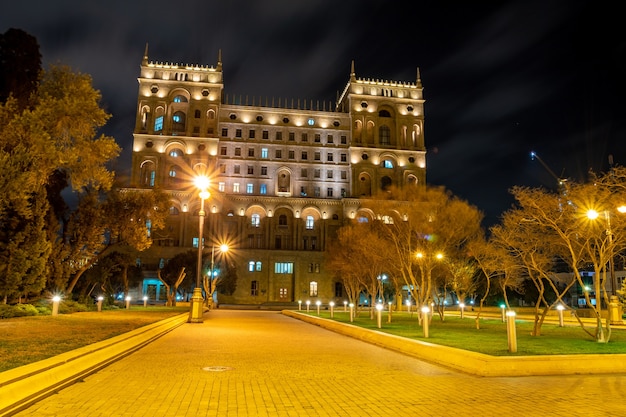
(313, 289)
(387, 164)
(258, 266)
(263, 189)
(221, 186)
(310, 222)
(256, 220)
(264, 153)
(283, 268)
(236, 187)
(251, 266)
(249, 188)
(311, 122)
(149, 227)
(158, 124)
(175, 153)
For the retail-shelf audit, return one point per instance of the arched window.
(310, 222)
(174, 211)
(175, 153)
(180, 99)
(384, 113)
(148, 174)
(178, 121)
(282, 220)
(173, 173)
(387, 163)
(196, 114)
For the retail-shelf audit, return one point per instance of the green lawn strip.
(25, 340)
(491, 338)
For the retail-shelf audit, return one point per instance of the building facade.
(285, 176)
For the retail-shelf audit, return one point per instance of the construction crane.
(560, 181)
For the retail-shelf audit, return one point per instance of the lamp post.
(592, 215)
(223, 249)
(195, 316)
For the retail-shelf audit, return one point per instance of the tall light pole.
(202, 182)
(223, 249)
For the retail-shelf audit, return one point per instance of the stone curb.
(477, 363)
(24, 386)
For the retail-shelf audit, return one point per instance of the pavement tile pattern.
(262, 363)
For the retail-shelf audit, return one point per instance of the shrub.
(17, 310)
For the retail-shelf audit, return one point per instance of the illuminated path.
(260, 363)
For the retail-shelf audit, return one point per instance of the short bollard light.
(55, 305)
(308, 304)
(332, 306)
(503, 309)
(389, 315)
(425, 311)
(345, 306)
(318, 303)
(100, 299)
(462, 307)
(351, 312)
(299, 305)
(145, 301)
(510, 331)
(127, 302)
(560, 309)
(379, 313)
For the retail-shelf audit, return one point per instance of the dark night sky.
(500, 79)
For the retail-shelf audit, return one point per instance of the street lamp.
(202, 183)
(592, 215)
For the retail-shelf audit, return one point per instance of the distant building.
(285, 174)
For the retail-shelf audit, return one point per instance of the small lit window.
(263, 189)
(311, 122)
(221, 187)
(310, 222)
(387, 164)
(158, 124)
(249, 188)
(236, 187)
(264, 153)
(313, 289)
(256, 220)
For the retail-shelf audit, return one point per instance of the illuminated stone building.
(285, 175)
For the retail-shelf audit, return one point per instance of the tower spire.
(219, 60)
(419, 78)
(352, 75)
(145, 56)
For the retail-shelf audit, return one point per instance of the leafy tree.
(124, 220)
(176, 271)
(347, 258)
(20, 66)
(424, 226)
(580, 240)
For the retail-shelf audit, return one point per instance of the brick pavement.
(261, 363)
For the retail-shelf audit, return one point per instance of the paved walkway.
(261, 363)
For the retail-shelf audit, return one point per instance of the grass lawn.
(491, 338)
(24, 340)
